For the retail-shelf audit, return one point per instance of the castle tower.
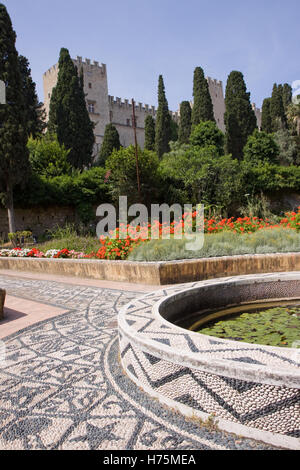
(257, 113)
(95, 89)
(103, 109)
(217, 96)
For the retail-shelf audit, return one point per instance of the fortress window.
(91, 108)
(49, 94)
(128, 122)
(90, 85)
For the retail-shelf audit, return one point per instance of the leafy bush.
(261, 147)
(82, 190)
(207, 133)
(121, 167)
(16, 238)
(205, 176)
(47, 157)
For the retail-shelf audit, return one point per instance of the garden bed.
(157, 273)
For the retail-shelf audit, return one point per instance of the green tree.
(277, 109)
(68, 115)
(207, 133)
(287, 147)
(163, 121)
(240, 119)
(149, 133)
(185, 122)
(35, 115)
(266, 120)
(174, 130)
(293, 116)
(111, 141)
(287, 94)
(47, 157)
(121, 165)
(261, 148)
(13, 127)
(205, 176)
(202, 106)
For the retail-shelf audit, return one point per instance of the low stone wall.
(159, 273)
(38, 219)
(250, 389)
(2, 299)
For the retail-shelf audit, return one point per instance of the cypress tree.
(174, 130)
(68, 114)
(149, 133)
(13, 130)
(185, 122)
(266, 120)
(202, 106)
(277, 108)
(111, 141)
(239, 118)
(35, 116)
(163, 121)
(287, 94)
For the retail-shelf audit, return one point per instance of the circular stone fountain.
(250, 389)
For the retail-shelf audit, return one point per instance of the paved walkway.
(62, 386)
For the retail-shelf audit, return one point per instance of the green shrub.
(47, 157)
(277, 240)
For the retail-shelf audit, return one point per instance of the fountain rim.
(266, 374)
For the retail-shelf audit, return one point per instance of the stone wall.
(38, 219)
(161, 272)
(120, 113)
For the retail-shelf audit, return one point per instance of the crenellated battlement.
(125, 103)
(90, 65)
(86, 64)
(53, 70)
(214, 82)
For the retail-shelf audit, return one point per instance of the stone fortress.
(104, 109)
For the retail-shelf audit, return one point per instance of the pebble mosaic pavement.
(62, 386)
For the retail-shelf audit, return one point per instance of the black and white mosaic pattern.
(63, 387)
(236, 381)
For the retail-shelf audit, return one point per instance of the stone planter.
(158, 272)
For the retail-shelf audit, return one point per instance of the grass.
(67, 237)
(277, 240)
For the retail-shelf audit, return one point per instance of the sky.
(140, 39)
